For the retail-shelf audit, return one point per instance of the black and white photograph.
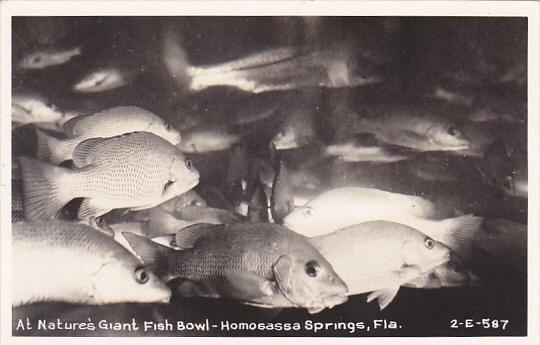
(308, 174)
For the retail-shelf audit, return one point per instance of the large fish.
(48, 57)
(68, 262)
(137, 170)
(379, 257)
(256, 263)
(103, 124)
(271, 70)
(418, 128)
(342, 207)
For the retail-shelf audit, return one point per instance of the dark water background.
(416, 54)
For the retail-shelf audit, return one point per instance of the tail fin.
(174, 56)
(46, 188)
(459, 234)
(51, 149)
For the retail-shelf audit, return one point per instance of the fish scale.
(214, 258)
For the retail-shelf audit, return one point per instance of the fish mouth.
(331, 301)
(328, 302)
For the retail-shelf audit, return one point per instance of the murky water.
(465, 56)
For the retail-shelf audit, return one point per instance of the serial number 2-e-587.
(484, 323)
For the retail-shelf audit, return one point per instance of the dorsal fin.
(187, 237)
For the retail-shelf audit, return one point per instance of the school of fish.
(292, 176)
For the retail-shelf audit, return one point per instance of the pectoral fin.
(88, 210)
(248, 286)
(384, 297)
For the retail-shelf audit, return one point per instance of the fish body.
(256, 263)
(417, 128)
(379, 257)
(137, 170)
(275, 69)
(104, 80)
(207, 139)
(104, 124)
(343, 207)
(68, 262)
(354, 151)
(48, 57)
(32, 108)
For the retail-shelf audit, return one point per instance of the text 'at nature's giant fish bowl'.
(269, 176)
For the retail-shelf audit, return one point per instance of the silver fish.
(137, 170)
(418, 128)
(68, 262)
(104, 124)
(342, 207)
(48, 57)
(379, 257)
(104, 80)
(275, 69)
(354, 151)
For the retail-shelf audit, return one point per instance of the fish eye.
(308, 212)
(429, 243)
(100, 221)
(311, 268)
(141, 276)
(188, 163)
(452, 131)
(167, 126)
(433, 276)
(37, 59)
